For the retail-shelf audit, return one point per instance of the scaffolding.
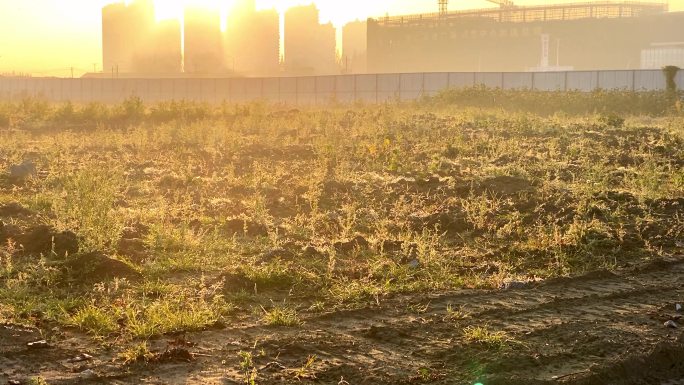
(526, 14)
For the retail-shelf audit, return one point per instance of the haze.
(49, 38)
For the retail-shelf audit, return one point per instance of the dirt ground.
(391, 245)
(601, 328)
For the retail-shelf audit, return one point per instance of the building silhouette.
(252, 40)
(133, 42)
(355, 47)
(203, 41)
(580, 36)
(310, 48)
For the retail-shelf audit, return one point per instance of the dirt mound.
(663, 363)
(133, 248)
(505, 185)
(14, 209)
(44, 239)
(244, 227)
(97, 266)
(349, 245)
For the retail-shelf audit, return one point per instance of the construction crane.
(503, 3)
(443, 7)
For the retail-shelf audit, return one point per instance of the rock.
(414, 264)
(42, 344)
(671, 324)
(81, 357)
(88, 373)
(678, 307)
(43, 239)
(513, 285)
(22, 172)
(13, 382)
(96, 266)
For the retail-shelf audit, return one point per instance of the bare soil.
(601, 328)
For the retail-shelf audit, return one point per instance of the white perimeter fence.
(375, 88)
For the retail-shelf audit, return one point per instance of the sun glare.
(173, 9)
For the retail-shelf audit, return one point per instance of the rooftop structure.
(581, 36)
(525, 14)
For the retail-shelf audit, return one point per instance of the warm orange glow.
(48, 37)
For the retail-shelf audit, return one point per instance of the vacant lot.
(440, 242)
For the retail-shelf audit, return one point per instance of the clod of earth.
(22, 172)
(42, 344)
(671, 324)
(175, 354)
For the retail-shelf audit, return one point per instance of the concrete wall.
(371, 88)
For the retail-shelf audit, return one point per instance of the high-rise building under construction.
(203, 42)
(585, 36)
(133, 42)
(252, 40)
(310, 47)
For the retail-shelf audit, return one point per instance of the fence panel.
(517, 81)
(288, 91)
(367, 88)
(271, 90)
(412, 86)
(325, 89)
(549, 81)
(489, 79)
(312, 90)
(651, 80)
(461, 79)
(616, 80)
(345, 88)
(582, 81)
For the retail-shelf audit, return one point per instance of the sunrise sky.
(48, 37)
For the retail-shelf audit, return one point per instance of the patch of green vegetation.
(280, 315)
(481, 335)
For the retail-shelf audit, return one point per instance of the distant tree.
(670, 75)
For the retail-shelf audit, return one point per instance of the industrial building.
(354, 47)
(583, 36)
(252, 40)
(203, 41)
(310, 47)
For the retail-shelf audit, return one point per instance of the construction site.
(510, 38)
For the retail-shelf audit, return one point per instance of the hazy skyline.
(48, 38)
